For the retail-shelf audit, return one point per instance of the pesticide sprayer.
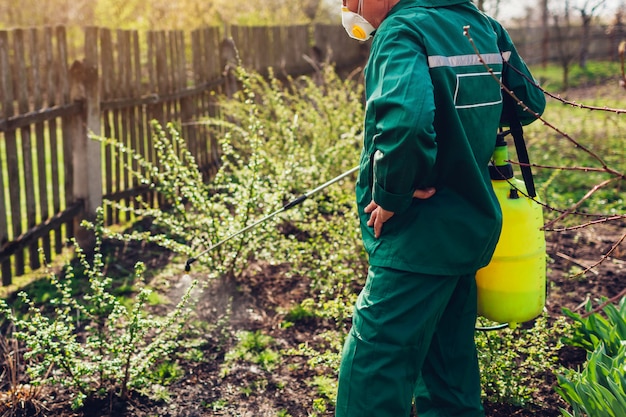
(512, 288)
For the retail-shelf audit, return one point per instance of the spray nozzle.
(188, 264)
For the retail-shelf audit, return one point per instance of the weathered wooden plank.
(22, 96)
(116, 124)
(106, 82)
(52, 95)
(39, 74)
(5, 74)
(63, 67)
(276, 50)
(93, 188)
(5, 104)
(261, 46)
(172, 63)
(161, 73)
(39, 116)
(140, 115)
(178, 45)
(208, 58)
(153, 111)
(196, 56)
(201, 53)
(192, 103)
(186, 105)
(64, 96)
(161, 62)
(123, 58)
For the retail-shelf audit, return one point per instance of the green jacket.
(432, 114)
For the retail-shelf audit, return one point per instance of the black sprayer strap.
(520, 144)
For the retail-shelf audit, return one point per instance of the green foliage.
(253, 347)
(599, 390)
(93, 345)
(594, 73)
(592, 330)
(513, 363)
(283, 413)
(301, 312)
(326, 387)
(280, 140)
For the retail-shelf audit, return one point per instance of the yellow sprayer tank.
(512, 288)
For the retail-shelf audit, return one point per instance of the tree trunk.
(545, 41)
(585, 39)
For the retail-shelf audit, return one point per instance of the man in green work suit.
(428, 213)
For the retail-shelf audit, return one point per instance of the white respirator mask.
(356, 25)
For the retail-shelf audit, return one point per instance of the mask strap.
(359, 9)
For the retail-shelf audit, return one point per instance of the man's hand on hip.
(378, 215)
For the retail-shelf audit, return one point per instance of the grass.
(595, 73)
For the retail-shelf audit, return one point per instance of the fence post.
(229, 61)
(87, 152)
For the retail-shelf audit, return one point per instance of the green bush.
(514, 363)
(93, 345)
(279, 139)
(594, 329)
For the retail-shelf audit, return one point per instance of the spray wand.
(286, 207)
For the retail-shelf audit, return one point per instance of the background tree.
(617, 30)
(563, 29)
(587, 10)
(545, 27)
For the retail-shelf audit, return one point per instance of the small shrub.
(514, 363)
(93, 345)
(253, 347)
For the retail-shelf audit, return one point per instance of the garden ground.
(256, 301)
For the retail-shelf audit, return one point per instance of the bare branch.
(579, 203)
(604, 219)
(615, 175)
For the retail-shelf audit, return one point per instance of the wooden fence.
(52, 175)
(535, 47)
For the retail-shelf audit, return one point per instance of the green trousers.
(412, 338)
